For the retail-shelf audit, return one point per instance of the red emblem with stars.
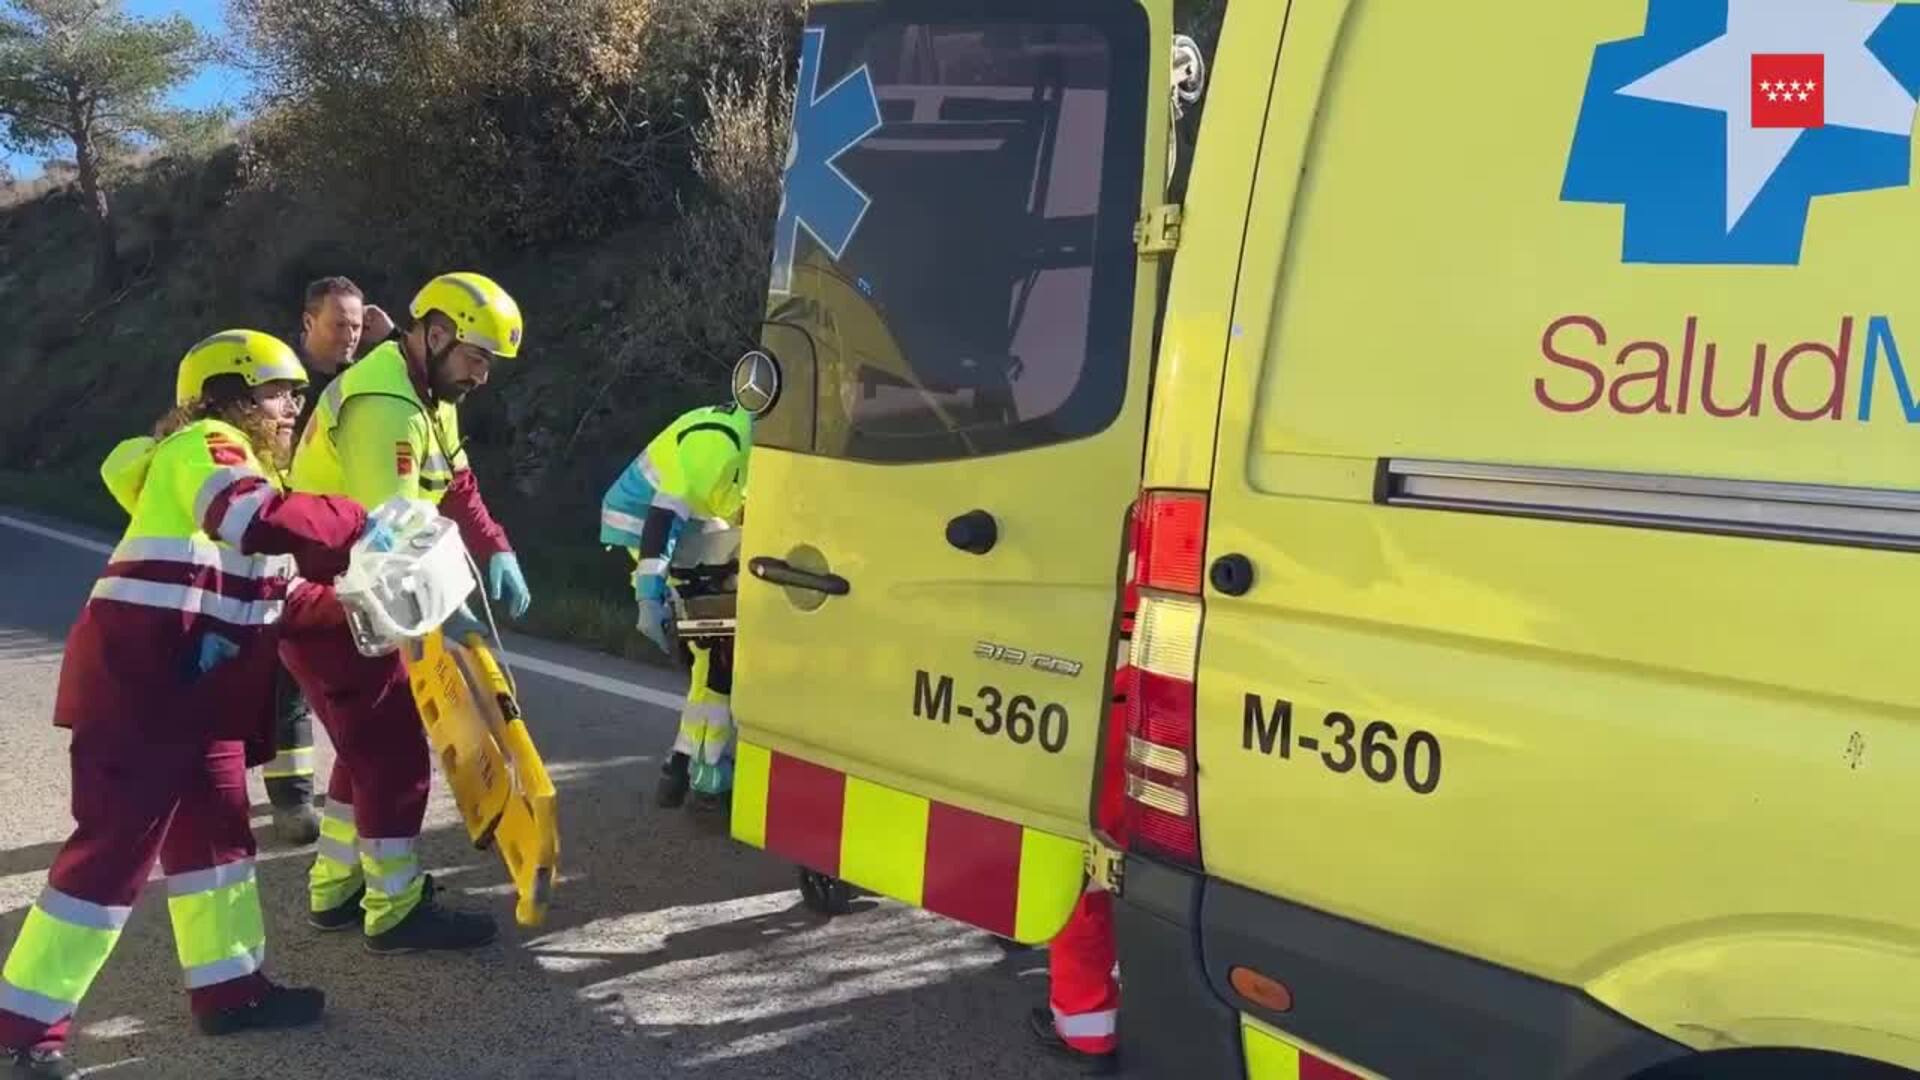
(1789, 90)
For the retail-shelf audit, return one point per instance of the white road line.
(69, 539)
(632, 691)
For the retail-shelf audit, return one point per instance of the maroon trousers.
(381, 765)
(187, 806)
(1081, 988)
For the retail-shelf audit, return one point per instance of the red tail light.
(1171, 542)
(1156, 680)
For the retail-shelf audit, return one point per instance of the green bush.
(473, 128)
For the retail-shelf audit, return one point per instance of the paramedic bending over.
(691, 474)
(168, 687)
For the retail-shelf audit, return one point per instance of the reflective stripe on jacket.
(410, 450)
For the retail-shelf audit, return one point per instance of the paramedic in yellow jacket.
(167, 689)
(691, 475)
(388, 427)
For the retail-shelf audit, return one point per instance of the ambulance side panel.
(1569, 720)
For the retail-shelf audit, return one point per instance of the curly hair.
(226, 398)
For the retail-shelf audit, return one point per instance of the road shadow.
(669, 950)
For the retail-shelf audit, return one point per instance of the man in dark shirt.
(337, 327)
(335, 322)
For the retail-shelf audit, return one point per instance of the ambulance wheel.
(824, 894)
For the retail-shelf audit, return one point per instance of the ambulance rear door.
(951, 393)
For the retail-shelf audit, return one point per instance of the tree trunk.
(86, 158)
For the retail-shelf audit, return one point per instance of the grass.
(581, 594)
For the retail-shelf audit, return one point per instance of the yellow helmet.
(256, 357)
(483, 314)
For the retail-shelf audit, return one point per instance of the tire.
(823, 894)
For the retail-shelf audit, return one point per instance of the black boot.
(297, 825)
(432, 928)
(341, 917)
(39, 1065)
(1040, 1023)
(671, 791)
(283, 1007)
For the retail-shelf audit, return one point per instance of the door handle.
(781, 572)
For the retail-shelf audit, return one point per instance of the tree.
(84, 73)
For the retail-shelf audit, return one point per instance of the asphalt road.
(670, 949)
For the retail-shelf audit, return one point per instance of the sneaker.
(296, 825)
(282, 1007)
(432, 928)
(341, 917)
(671, 791)
(1040, 1025)
(39, 1064)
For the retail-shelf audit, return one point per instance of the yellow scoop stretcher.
(474, 725)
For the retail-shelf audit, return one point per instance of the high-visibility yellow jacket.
(373, 436)
(174, 643)
(694, 470)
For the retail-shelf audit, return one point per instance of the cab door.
(952, 405)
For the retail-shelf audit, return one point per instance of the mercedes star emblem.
(756, 382)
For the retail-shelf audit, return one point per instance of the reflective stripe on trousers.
(335, 875)
(389, 868)
(1081, 989)
(217, 927)
(394, 884)
(295, 761)
(61, 949)
(706, 727)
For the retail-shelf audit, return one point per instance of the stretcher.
(398, 591)
(706, 580)
(488, 759)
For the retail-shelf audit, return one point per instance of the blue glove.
(654, 622)
(461, 624)
(378, 535)
(214, 650)
(506, 583)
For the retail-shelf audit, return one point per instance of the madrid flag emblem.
(1789, 90)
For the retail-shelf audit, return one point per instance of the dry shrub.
(698, 298)
(481, 126)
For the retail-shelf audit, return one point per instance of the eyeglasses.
(265, 394)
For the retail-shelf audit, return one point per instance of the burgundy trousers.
(381, 766)
(183, 805)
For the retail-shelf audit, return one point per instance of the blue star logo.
(815, 194)
(1667, 125)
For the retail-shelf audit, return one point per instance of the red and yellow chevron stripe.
(1014, 881)
(1272, 1057)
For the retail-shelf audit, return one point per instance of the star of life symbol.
(814, 193)
(1719, 126)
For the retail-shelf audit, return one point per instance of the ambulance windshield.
(953, 264)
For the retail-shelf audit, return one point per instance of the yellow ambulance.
(1513, 397)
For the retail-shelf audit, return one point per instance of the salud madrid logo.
(1719, 126)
